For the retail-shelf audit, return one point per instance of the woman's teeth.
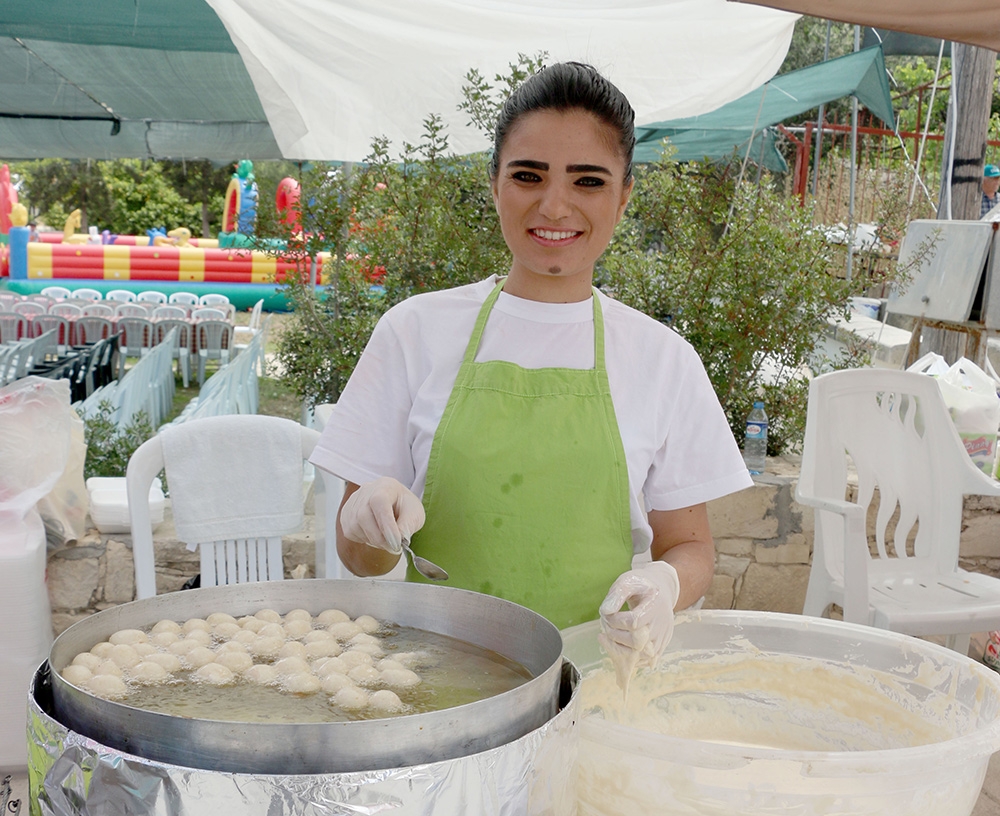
(552, 235)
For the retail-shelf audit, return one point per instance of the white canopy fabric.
(333, 74)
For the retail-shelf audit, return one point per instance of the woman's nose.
(555, 202)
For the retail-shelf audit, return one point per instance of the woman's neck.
(555, 289)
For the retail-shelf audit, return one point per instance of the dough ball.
(170, 662)
(163, 639)
(129, 637)
(388, 663)
(364, 638)
(108, 667)
(214, 674)
(166, 626)
(107, 686)
(217, 618)
(273, 630)
(365, 675)
(351, 698)
(199, 656)
(344, 630)
(328, 616)
(368, 624)
(196, 625)
(148, 673)
(355, 658)
(322, 648)
(399, 678)
(102, 650)
(232, 646)
(414, 660)
(293, 649)
(333, 683)
(182, 647)
(372, 649)
(266, 648)
(385, 700)
(333, 665)
(251, 624)
(268, 616)
(299, 615)
(303, 683)
(236, 662)
(225, 631)
(77, 675)
(314, 635)
(288, 666)
(245, 638)
(262, 674)
(124, 655)
(199, 636)
(145, 649)
(297, 628)
(87, 660)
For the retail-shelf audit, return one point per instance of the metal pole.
(819, 119)
(851, 229)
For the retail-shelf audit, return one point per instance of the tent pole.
(851, 228)
(819, 119)
(927, 124)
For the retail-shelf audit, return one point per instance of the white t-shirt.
(678, 446)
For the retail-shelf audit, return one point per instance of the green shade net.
(730, 129)
(125, 78)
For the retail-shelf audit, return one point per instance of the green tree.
(203, 184)
(142, 198)
(55, 187)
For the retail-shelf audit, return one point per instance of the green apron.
(527, 493)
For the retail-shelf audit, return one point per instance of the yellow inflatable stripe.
(39, 260)
(117, 262)
(263, 268)
(191, 264)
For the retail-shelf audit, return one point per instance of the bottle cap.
(758, 405)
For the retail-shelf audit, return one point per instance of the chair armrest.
(838, 506)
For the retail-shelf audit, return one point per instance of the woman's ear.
(493, 191)
(626, 194)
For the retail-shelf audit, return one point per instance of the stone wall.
(763, 540)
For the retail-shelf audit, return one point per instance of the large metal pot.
(510, 630)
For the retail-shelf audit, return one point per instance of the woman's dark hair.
(562, 87)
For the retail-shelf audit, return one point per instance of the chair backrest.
(29, 307)
(255, 313)
(99, 310)
(46, 322)
(213, 299)
(66, 309)
(224, 561)
(8, 299)
(185, 298)
(43, 300)
(87, 294)
(121, 295)
(183, 337)
(171, 312)
(56, 292)
(214, 336)
(151, 296)
(130, 310)
(136, 334)
(91, 328)
(13, 326)
(208, 313)
(895, 429)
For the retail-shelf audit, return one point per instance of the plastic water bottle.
(755, 445)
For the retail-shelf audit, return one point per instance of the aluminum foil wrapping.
(72, 775)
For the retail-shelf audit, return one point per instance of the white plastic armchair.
(894, 427)
(226, 561)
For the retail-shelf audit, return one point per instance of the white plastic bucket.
(857, 700)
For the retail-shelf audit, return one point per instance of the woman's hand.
(380, 514)
(650, 591)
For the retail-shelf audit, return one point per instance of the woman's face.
(560, 192)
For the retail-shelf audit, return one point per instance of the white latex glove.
(639, 635)
(382, 513)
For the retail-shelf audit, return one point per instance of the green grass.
(275, 399)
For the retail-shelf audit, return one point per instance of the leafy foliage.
(110, 447)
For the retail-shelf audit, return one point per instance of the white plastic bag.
(971, 396)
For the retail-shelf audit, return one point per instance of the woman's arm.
(682, 538)
(358, 557)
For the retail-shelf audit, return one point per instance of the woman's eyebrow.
(570, 168)
(528, 163)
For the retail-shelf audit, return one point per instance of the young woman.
(529, 433)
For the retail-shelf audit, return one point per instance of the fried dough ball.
(266, 648)
(129, 637)
(232, 646)
(328, 616)
(272, 630)
(164, 639)
(196, 625)
(367, 624)
(389, 663)
(302, 683)
(170, 662)
(288, 666)
(217, 618)
(145, 649)
(245, 638)
(251, 624)
(262, 674)
(268, 616)
(166, 626)
(328, 666)
(344, 630)
(182, 647)
(372, 649)
(102, 649)
(225, 630)
(365, 675)
(364, 638)
(125, 656)
(322, 648)
(293, 649)
(333, 683)
(297, 628)
(107, 686)
(108, 667)
(199, 636)
(315, 635)
(87, 660)
(298, 615)
(76, 674)
(148, 673)
(399, 678)
(355, 658)
(351, 698)
(385, 700)
(236, 662)
(199, 656)
(215, 674)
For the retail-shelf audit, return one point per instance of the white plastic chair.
(13, 326)
(224, 561)
(91, 328)
(66, 310)
(87, 294)
(183, 298)
(182, 343)
(895, 428)
(151, 296)
(214, 342)
(213, 299)
(136, 338)
(242, 335)
(56, 292)
(99, 310)
(208, 313)
(29, 308)
(169, 313)
(120, 295)
(46, 322)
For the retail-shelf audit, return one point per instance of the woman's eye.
(526, 175)
(590, 181)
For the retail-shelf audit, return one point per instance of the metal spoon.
(423, 566)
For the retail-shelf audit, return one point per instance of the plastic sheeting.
(70, 774)
(333, 74)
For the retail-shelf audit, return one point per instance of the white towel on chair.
(233, 477)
